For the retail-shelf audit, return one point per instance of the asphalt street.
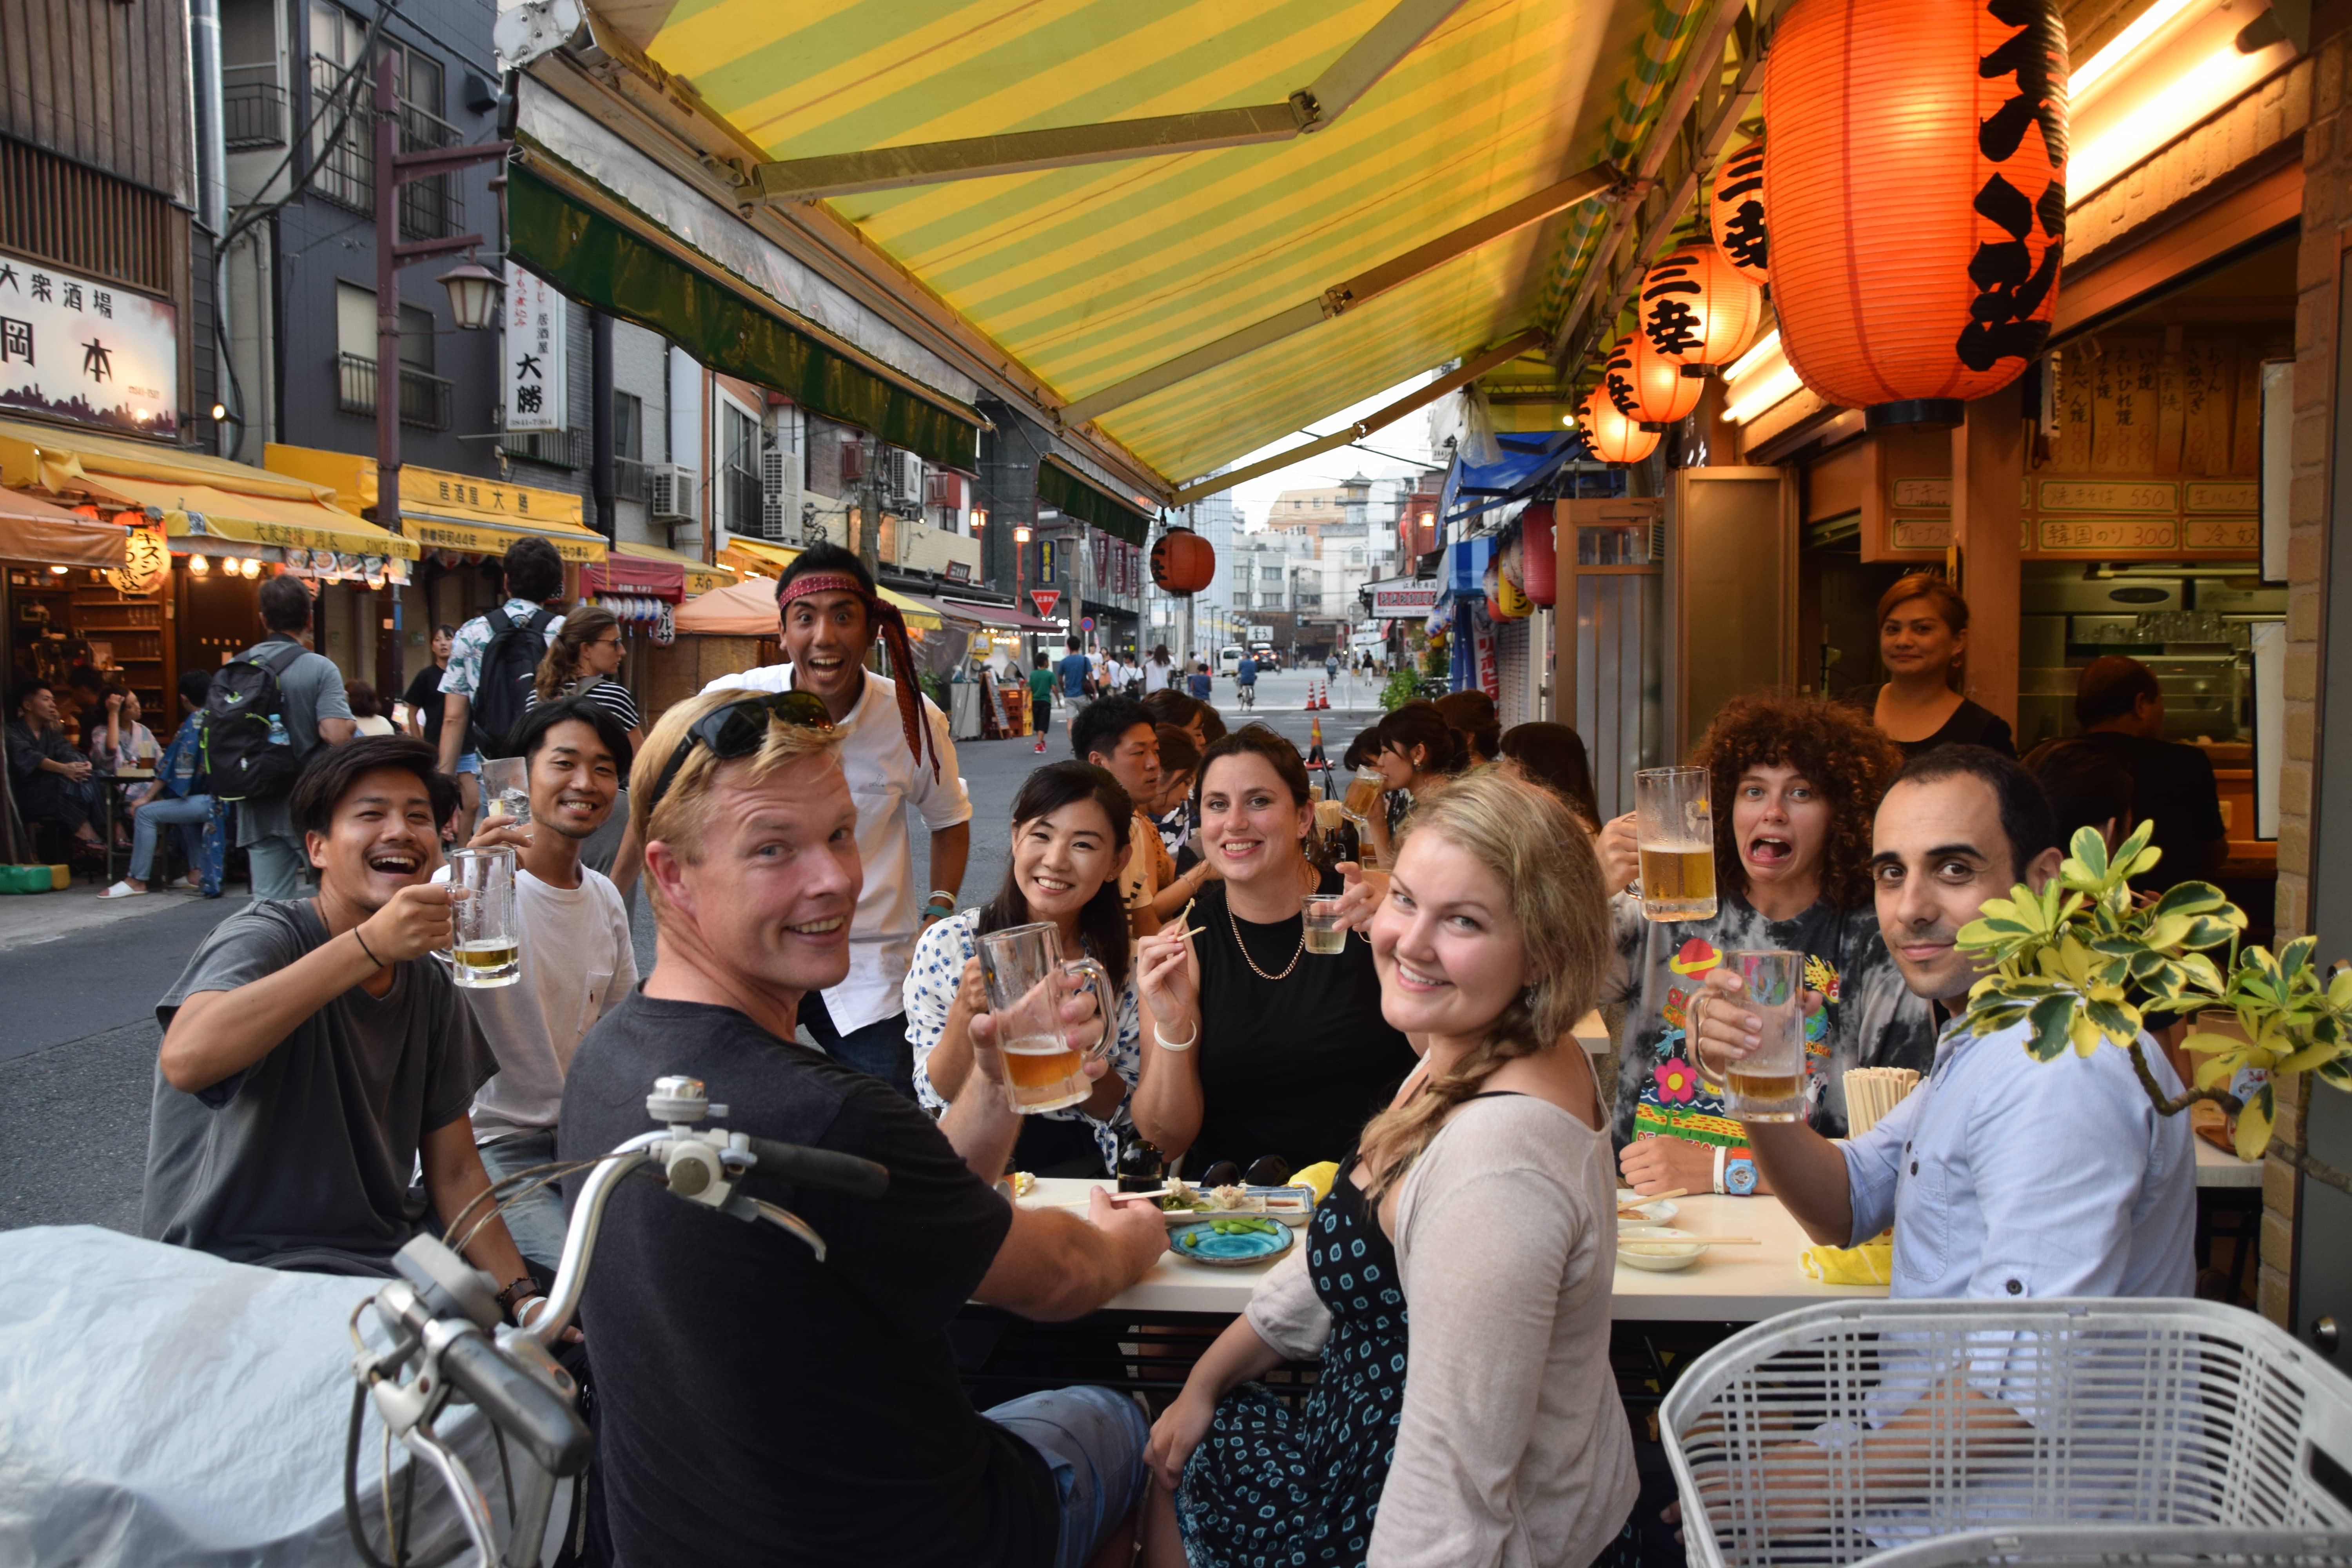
(77, 1031)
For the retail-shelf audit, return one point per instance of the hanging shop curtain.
(1076, 496)
(603, 260)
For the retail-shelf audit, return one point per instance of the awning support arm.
(1502, 353)
(1311, 108)
(1345, 296)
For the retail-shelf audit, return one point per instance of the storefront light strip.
(2121, 47)
(1767, 347)
(2205, 86)
(1780, 384)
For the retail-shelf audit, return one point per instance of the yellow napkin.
(1872, 1263)
(1316, 1176)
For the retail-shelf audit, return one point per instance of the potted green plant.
(2084, 960)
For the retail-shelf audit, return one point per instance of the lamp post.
(473, 295)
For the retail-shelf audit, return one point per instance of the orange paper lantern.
(1182, 561)
(1915, 177)
(1697, 308)
(1646, 387)
(1612, 437)
(1736, 213)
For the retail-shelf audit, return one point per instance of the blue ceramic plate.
(1230, 1250)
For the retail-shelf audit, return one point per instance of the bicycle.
(1248, 693)
(448, 1341)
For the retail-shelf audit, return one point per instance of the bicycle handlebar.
(820, 1168)
(538, 1418)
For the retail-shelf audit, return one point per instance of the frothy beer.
(1677, 881)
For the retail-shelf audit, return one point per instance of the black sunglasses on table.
(739, 728)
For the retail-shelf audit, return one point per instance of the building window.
(740, 450)
(426, 399)
(430, 208)
(629, 447)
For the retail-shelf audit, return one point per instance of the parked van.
(1229, 658)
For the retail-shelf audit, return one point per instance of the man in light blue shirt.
(2003, 1177)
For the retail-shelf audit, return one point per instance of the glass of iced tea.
(1321, 912)
(1676, 833)
(1027, 981)
(485, 944)
(1769, 1085)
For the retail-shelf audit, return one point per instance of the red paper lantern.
(1736, 213)
(1915, 177)
(1182, 561)
(1697, 308)
(1538, 563)
(1646, 387)
(1612, 437)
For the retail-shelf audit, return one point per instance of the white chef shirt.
(884, 780)
(2005, 1177)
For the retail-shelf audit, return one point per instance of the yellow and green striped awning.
(1088, 274)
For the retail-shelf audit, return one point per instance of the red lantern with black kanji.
(1183, 562)
(1612, 437)
(1646, 387)
(1697, 308)
(1735, 212)
(1916, 174)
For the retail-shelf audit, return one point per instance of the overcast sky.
(1408, 437)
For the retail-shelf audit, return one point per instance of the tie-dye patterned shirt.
(1868, 1019)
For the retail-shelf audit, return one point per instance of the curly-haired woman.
(1794, 785)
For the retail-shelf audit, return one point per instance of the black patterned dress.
(1273, 1484)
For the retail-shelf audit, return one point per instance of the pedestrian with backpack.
(494, 662)
(266, 711)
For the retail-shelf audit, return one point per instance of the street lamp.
(473, 295)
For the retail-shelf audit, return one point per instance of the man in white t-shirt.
(577, 964)
(900, 760)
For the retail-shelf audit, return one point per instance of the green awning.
(600, 260)
(1080, 497)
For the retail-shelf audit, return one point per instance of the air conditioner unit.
(670, 492)
(779, 511)
(902, 482)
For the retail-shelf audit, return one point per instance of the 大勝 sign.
(75, 348)
(534, 352)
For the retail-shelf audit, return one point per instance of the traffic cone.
(1315, 757)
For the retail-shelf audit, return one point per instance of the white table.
(2220, 1168)
(1729, 1285)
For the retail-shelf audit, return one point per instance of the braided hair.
(1545, 860)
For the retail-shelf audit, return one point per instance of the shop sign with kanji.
(534, 352)
(95, 353)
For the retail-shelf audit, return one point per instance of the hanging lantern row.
(1735, 212)
(631, 610)
(1915, 172)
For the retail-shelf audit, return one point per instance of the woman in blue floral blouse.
(1070, 827)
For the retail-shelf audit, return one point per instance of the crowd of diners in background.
(315, 1055)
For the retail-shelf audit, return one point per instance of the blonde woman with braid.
(584, 662)
(1455, 1285)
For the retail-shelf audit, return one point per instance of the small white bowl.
(1635, 1242)
(1661, 1211)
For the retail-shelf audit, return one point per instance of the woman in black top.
(1923, 631)
(423, 696)
(1252, 1044)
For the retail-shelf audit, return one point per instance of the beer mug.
(1676, 833)
(505, 787)
(1769, 1085)
(485, 944)
(1364, 792)
(1027, 980)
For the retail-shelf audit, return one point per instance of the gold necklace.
(1235, 926)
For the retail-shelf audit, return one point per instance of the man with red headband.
(899, 757)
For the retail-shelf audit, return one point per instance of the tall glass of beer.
(1364, 792)
(485, 944)
(1676, 833)
(1769, 1084)
(1027, 982)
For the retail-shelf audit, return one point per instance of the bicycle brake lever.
(754, 1209)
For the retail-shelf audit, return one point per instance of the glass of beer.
(1027, 982)
(1769, 1084)
(1676, 833)
(485, 945)
(506, 783)
(1321, 912)
(1364, 792)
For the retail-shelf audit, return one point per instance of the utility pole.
(870, 533)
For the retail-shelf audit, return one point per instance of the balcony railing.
(424, 400)
(556, 448)
(253, 107)
(430, 208)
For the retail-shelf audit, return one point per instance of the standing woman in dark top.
(1253, 1045)
(1923, 630)
(424, 695)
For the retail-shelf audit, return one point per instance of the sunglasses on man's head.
(739, 728)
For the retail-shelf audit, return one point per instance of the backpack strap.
(499, 621)
(282, 660)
